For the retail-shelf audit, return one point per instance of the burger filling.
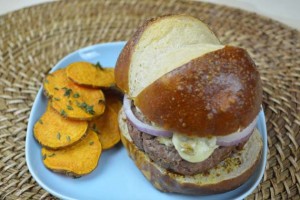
(183, 155)
(194, 149)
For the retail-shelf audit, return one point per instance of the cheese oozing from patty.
(194, 149)
(191, 149)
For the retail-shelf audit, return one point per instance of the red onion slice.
(228, 140)
(146, 128)
(237, 137)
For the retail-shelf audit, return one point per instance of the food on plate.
(76, 160)
(55, 132)
(71, 100)
(190, 108)
(93, 75)
(70, 145)
(106, 126)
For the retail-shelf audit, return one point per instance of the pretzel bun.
(158, 38)
(226, 176)
(182, 79)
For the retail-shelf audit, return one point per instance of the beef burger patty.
(167, 156)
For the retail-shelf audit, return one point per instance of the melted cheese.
(164, 140)
(194, 149)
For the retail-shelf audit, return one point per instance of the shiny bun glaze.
(215, 94)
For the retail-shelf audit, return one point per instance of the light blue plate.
(116, 176)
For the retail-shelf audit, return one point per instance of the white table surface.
(285, 11)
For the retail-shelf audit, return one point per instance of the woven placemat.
(34, 39)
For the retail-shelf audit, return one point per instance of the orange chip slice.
(106, 126)
(76, 160)
(71, 100)
(87, 74)
(54, 131)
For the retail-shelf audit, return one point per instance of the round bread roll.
(226, 176)
(160, 45)
(182, 79)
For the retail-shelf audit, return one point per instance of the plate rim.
(30, 126)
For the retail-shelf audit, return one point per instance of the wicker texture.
(34, 39)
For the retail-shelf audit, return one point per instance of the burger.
(190, 108)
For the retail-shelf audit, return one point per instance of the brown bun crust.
(209, 183)
(215, 94)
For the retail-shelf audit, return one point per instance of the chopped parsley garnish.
(63, 113)
(94, 128)
(76, 95)
(68, 138)
(44, 156)
(40, 121)
(57, 99)
(69, 107)
(91, 142)
(88, 109)
(68, 91)
(98, 65)
(56, 88)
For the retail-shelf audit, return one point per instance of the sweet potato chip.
(106, 126)
(113, 99)
(93, 75)
(76, 160)
(71, 100)
(54, 131)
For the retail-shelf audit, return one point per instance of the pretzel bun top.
(182, 79)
